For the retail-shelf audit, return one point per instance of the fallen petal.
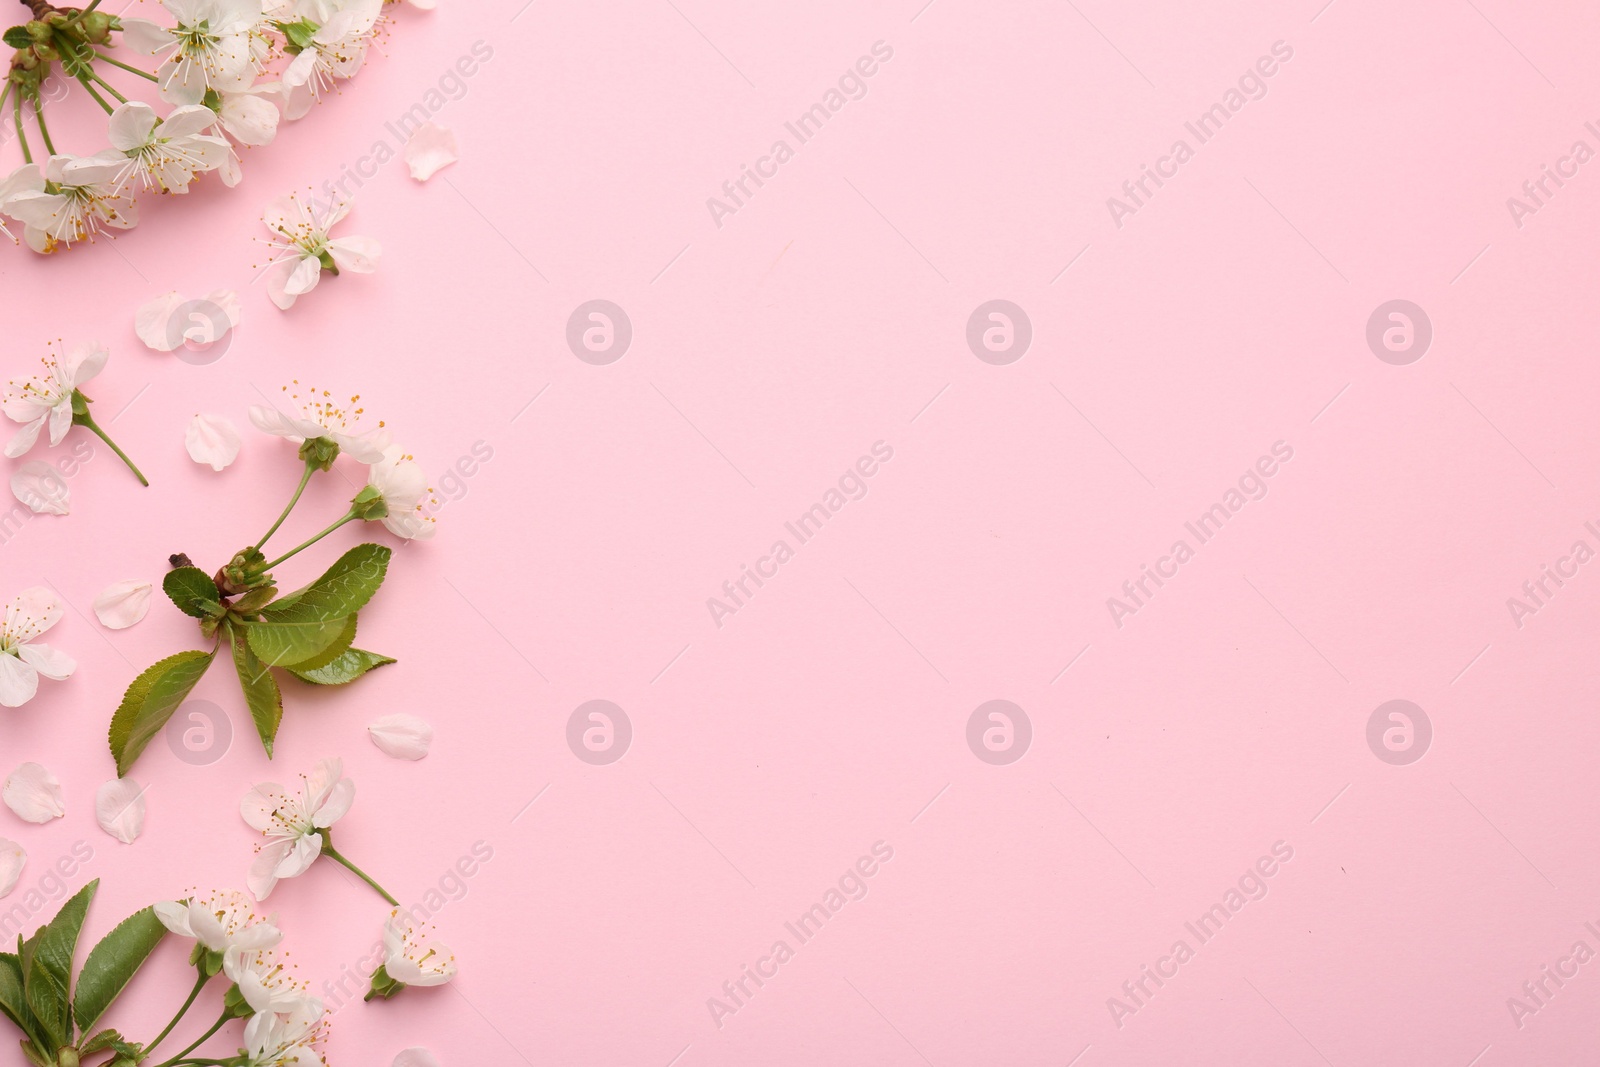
(119, 808)
(41, 487)
(122, 604)
(34, 794)
(12, 859)
(416, 1057)
(212, 440)
(431, 148)
(150, 321)
(402, 736)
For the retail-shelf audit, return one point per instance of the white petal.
(18, 682)
(131, 125)
(145, 36)
(304, 277)
(119, 808)
(357, 255)
(228, 302)
(416, 1057)
(34, 794)
(83, 361)
(50, 662)
(41, 487)
(212, 440)
(123, 604)
(431, 148)
(24, 438)
(150, 322)
(175, 917)
(402, 736)
(12, 858)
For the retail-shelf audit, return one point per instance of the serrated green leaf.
(343, 589)
(289, 644)
(340, 645)
(17, 37)
(47, 981)
(112, 964)
(100, 1042)
(193, 592)
(261, 693)
(347, 668)
(150, 701)
(252, 601)
(13, 1000)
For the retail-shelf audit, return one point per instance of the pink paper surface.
(1210, 323)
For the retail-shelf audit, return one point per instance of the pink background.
(830, 712)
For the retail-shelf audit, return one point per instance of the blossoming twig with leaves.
(309, 633)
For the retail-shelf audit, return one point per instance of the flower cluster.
(224, 73)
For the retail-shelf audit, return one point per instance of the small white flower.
(12, 860)
(22, 659)
(47, 397)
(411, 956)
(399, 479)
(165, 154)
(211, 47)
(290, 821)
(34, 794)
(319, 415)
(206, 320)
(57, 207)
(264, 981)
(212, 440)
(335, 51)
(430, 149)
(402, 736)
(119, 809)
(42, 488)
(273, 1040)
(222, 922)
(302, 248)
(122, 604)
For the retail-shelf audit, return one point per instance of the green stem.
(304, 478)
(22, 138)
(108, 87)
(131, 70)
(79, 16)
(182, 1057)
(94, 427)
(333, 854)
(44, 131)
(299, 548)
(84, 81)
(200, 983)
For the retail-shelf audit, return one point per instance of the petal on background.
(150, 321)
(402, 736)
(212, 440)
(122, 604)
(416, 1057)
(12, 859)
(34, 794)
(41, 487)
(431, 148)
(119, 808)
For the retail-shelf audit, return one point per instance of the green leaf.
(342, 591)
(100, 1042)
(112, 964)
(47, 981)
(341, 644)
(192, 591)
(260, 690)
(150, 701)
(290, 644)
(347, 668)
(252, 601)
(17, 37)
(13, 1001)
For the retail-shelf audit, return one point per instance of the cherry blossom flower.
(411, 957)
(273, 1040)
(165, 154)
(403, 486)
(318, 415)
(340, 32)
(22, 658)
(211, 47)
(222, 922)
(264, 980)
(57, 208)
(47, 397)
(302, 247)
(291, 822)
